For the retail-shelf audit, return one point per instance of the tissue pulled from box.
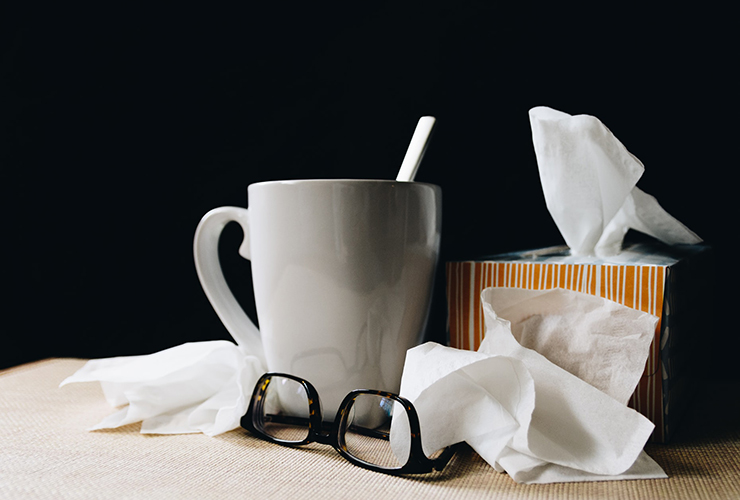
(194, 387)
(589, 182)
(523, 413)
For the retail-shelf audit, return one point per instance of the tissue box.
(671, 282)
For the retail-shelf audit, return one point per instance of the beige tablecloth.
(45, 452)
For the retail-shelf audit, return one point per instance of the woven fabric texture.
(46, 452)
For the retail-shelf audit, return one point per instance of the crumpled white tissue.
(523, 413)
(194, 387)
(595, 339)
(589, 182)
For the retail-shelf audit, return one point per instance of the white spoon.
(416, 150)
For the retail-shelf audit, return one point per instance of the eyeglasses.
(287, 410)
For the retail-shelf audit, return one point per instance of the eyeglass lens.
(368, 429)
(366, 424)
(285, 410)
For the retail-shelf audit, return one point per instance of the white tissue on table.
(589, 182)
(524, 414)
(194, 387)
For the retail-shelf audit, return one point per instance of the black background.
(121, 127)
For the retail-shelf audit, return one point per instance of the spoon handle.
(416, 150)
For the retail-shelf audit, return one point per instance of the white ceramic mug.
(342, 271)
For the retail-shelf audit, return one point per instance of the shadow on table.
(707, 441)
(712, 414)
(464, 462)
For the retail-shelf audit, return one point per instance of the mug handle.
(208, 267)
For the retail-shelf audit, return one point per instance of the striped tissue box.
(672, 283)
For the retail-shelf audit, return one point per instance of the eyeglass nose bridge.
(323, 437)
(328, 432)
(319, 432)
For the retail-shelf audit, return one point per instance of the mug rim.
(288, 182)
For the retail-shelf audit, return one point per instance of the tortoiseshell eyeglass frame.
(417, 462)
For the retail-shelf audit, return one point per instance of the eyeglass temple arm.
(444, 458)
